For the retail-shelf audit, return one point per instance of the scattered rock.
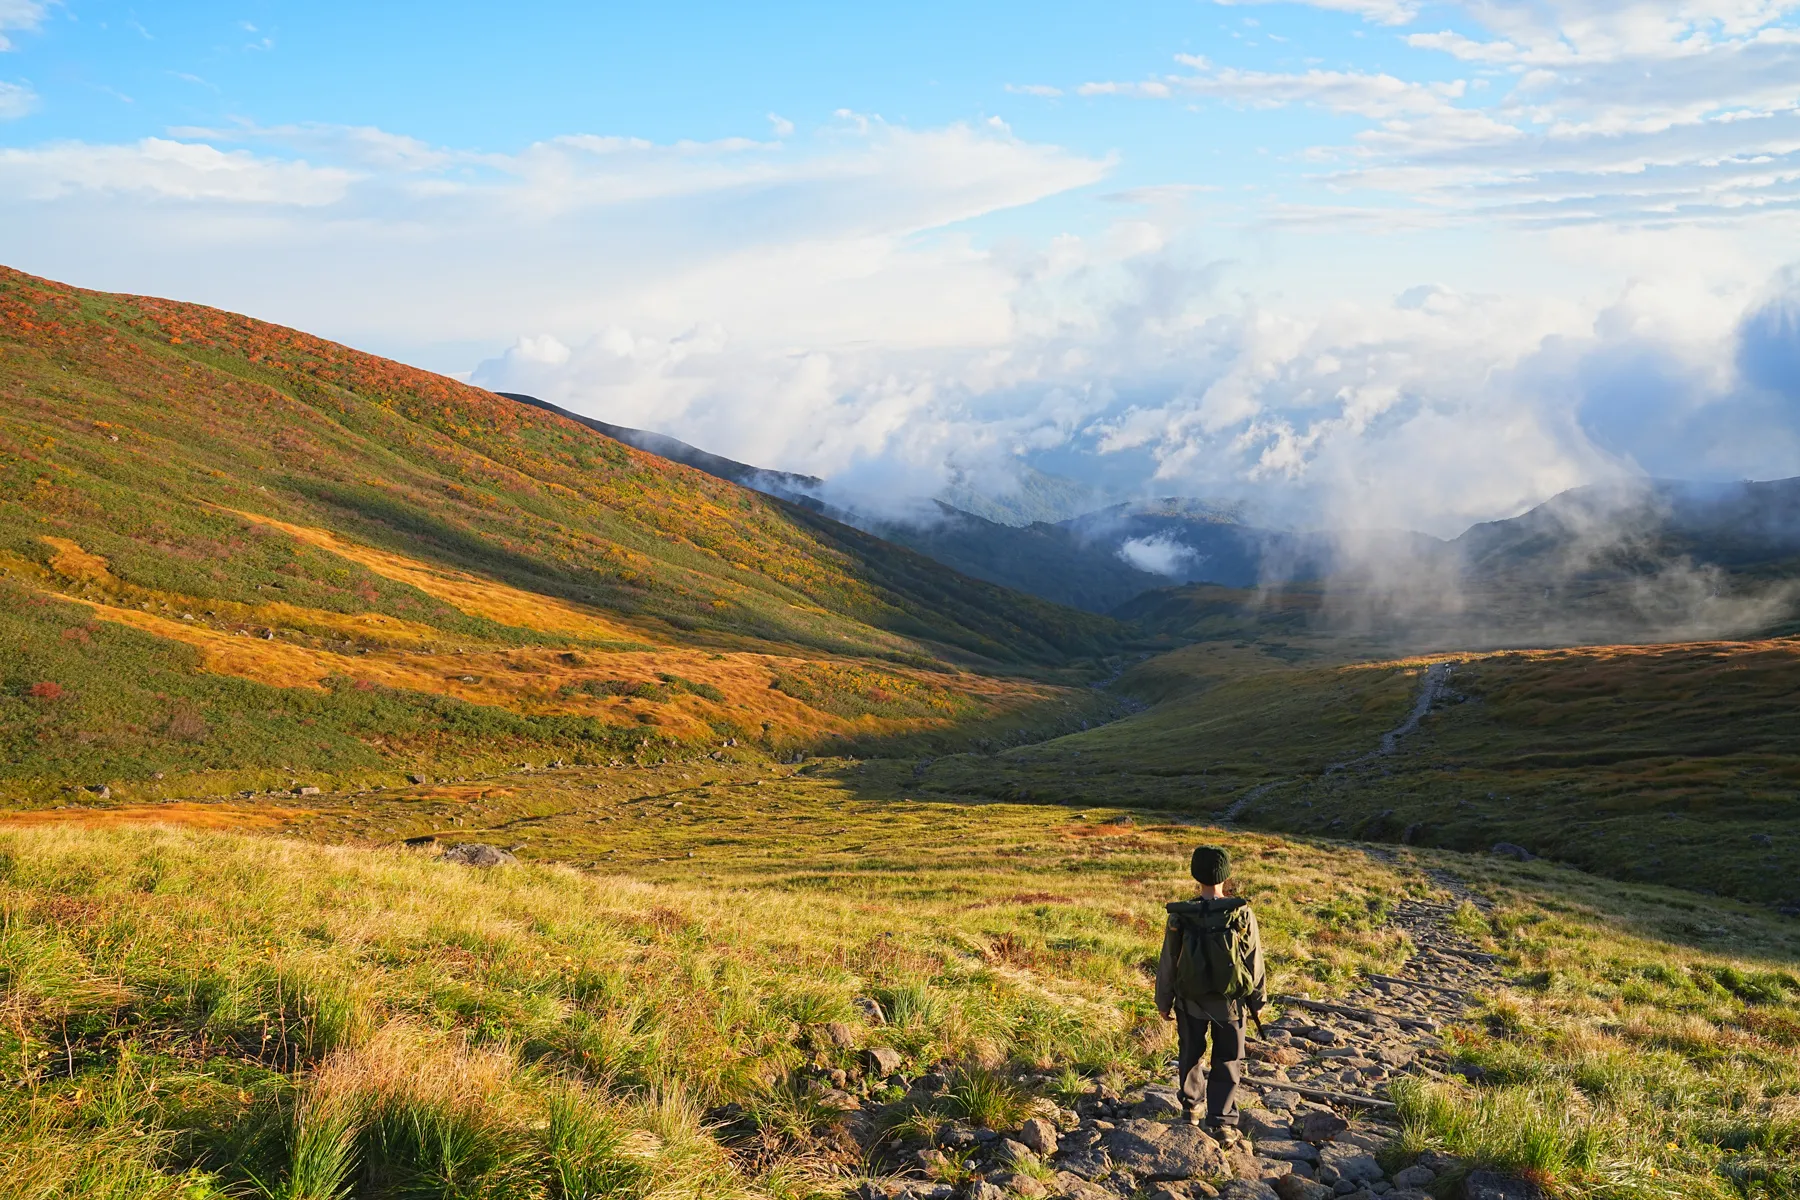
(930, 1160)
(1509, 850)
(1351, 1162)
(1319, 1127)
(477, 854)
(1492, 1185)
(1186, 1189)
(418, 779)
(1070, 1186)
(1281, 1056)
(1414, 1177)
(883, 1061)
(1282, 1100)
(306, 791)
(840, 1100)
(840, 1035)
(1155, 1151)
(1761, 839)
(1260, 1123)
(1014, 1154)
(1157, 1102)
(1039, 1135)
(101, 790)
(1270, 1169)
(869, 1007)
(1248, 1189)
(1293, 1187)
(1323, 1035)
(1090, 1163)
(1291, 1151)
(981, 1189)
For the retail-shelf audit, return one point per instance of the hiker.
(1210, 976)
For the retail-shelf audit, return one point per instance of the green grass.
(1674, 763)
(307, 1013)
(169, 463)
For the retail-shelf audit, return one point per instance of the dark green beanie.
(1211, 865)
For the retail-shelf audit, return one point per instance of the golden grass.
(469, 593)
(175, 814)
(71, 560)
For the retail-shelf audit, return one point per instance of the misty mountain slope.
(797, 489)
(1747, 527)
(1051, 561)
(231, 550)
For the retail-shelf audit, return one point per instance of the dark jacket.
(1224, 1011)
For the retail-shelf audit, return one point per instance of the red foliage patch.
(45, 691)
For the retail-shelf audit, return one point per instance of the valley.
(281, 624)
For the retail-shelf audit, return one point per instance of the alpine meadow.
(1155, 600)
(822, 868)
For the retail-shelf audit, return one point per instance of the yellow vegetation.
(192, 816)
(72, 561)
(469, 593)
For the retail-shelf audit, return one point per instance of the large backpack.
(1216, 955)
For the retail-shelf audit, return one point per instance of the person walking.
(1209, 977)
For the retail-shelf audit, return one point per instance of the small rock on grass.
(981, 1189)
(883, 1061)
(478, 854)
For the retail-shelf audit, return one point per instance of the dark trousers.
(1220, 1081)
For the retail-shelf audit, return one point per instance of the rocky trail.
(1315, 1112)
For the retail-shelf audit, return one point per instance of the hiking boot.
(1190, 1116)
(1226, 1135)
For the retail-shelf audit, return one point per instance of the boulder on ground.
(1293, 1187)
(1157, 1102)
(1183, 1189)
(1091, 1163)
(1152, 1150)
(1492, 1185)
(1247, 1189)
(477, 854)
(1352, 1163)
(1510, 850)
(1039, 1135)
(1318, 1127)
(1414, 1176)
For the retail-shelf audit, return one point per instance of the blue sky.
(1375, 261)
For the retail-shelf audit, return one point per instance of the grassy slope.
(197, 1005)
(446, 578)
(1673, 762)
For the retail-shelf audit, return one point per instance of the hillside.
(680, 992)
(1676, 763)
(233, 555)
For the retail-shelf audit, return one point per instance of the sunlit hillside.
(234, 552)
